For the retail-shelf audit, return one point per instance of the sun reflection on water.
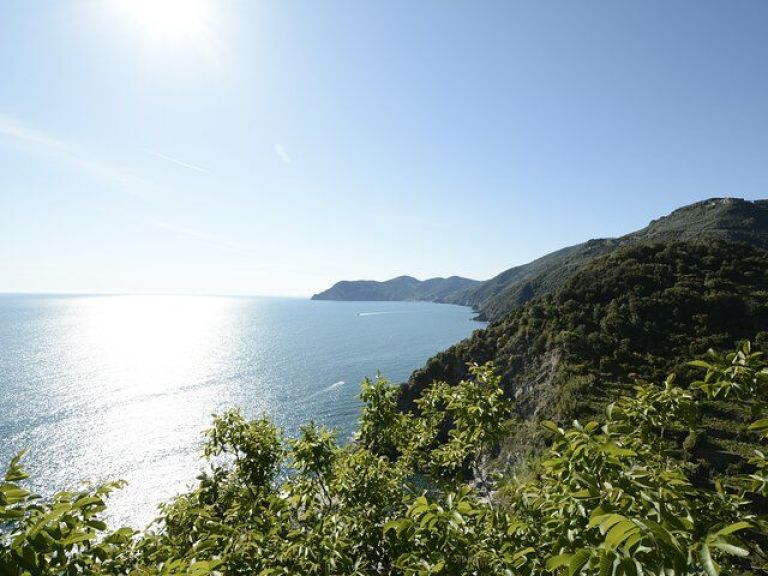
(151, 344)
(147, 366)
(120, 387)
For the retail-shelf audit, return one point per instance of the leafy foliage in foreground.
(609, 498)
(63, 535)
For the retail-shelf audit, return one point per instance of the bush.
(414, 495)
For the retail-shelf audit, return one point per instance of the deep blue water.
(120, 387)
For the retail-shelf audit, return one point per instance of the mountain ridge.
(727, 218)
(400, 288)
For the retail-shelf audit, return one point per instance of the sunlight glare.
(171, 23)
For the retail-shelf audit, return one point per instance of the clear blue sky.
(274, 147)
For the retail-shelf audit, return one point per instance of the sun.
(172, 23)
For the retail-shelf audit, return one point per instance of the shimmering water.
(120, 387)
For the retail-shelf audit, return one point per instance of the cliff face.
(729, 219)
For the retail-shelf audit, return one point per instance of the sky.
(275, 147)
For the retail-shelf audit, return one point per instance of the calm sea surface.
(120, 387)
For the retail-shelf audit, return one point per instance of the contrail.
(177, 161)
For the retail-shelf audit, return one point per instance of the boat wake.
(327, 389)
(378, 313)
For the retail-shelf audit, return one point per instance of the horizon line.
(141, 293)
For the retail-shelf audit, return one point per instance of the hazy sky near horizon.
(274, 147)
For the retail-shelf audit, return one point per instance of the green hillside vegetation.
(609, 497)
(402, 288)
(644, 311)
(729, 219)
(553, 442)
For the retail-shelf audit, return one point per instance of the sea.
(103, 388)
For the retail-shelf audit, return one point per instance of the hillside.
(645, 309)
(654, 486)
(404, 288)
(718, 218)
(729, 219)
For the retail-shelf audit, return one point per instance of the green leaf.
(605, 521)
(706, 561)
(12, 493)
(97, 524)
(615, 450)
(524, 552)
(558, 561)
(29, 559)
(202, 567)
(397, 525)
(733, 528)
(660, 533)
(551, 426)
(606, 565)
(584, 493)
(579, 559)
(731, 549)
(759, 424)
(631, 541)
(87, 501)
(15, 472)
(619, 533)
